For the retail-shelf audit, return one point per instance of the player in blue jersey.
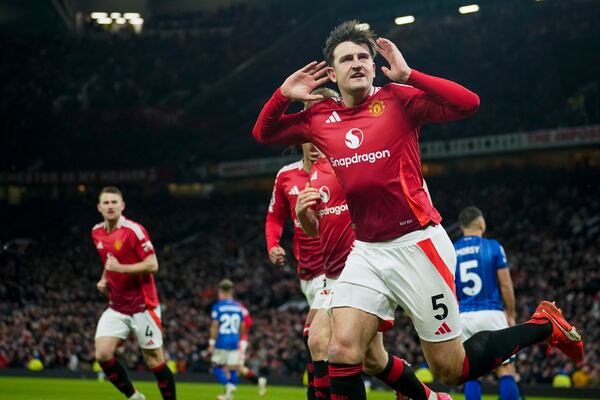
(485, 294)
(225, 331)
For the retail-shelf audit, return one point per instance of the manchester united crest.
(118, 245)
(377, 107)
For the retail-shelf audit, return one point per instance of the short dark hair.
(323, 91)
(468, 215)
(349, 31)
(226, 285)
(110, 189)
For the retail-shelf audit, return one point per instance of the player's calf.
(445, 359)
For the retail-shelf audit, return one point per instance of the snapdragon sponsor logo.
(324, 194)
(335, 210)
(359, 158)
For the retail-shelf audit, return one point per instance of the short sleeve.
(501, 261)
(143, 246)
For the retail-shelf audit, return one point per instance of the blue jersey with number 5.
(229, 314)
(478, 260)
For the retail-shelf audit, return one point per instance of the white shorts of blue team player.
(317, 291)
(222, 357)
(145, 325)
(415, 272)
(483, 320)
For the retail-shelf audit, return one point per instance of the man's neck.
(472, 232)
(112, 224)
(307, 163)
(354, 98)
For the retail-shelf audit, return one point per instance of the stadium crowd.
(90, 91)
(549, 224)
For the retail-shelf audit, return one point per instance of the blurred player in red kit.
(129, 263)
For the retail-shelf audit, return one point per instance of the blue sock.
(508, 388)
(473, 390)
(220, 375)
(233, 377)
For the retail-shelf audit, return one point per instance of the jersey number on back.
(466, 276)
(229, 324)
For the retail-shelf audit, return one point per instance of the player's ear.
(98, 208)
(122, 205)
(374, 70)
(331, 74)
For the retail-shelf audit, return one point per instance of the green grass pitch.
(87, 389)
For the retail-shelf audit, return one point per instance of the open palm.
(299, 85)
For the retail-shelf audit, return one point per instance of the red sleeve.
(279, 210)
(435, 99)
(272, 126)
(142, 244)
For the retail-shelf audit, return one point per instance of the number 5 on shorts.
(437, 306)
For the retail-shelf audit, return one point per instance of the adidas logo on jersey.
(313, 177)
(334, 117)
(100, 246)
(443, 329)
(294, 191)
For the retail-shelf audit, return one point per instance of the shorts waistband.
(405, 240)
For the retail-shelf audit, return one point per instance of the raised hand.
(399, 71)
(299, 85)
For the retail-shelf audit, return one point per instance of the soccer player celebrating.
(402, 255)
(485, 294)
(227, 327)
(290, 180)
(322, 211)
(129, 263)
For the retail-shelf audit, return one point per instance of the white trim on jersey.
(295, 165)
(134, 227)
(334, 117)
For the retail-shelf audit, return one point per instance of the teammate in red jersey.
(322, 211)
(244, 371)
(290, 180)
(402, 256)
(129, 263)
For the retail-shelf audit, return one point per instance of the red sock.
(117, 375)
(399, 376)
(166, 381)
(322, 380)
(346, 382)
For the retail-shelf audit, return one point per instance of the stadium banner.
(510, 142)
(83, 177)
(258, 166)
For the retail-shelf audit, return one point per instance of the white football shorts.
(223, 357)
(315, 291)
(146, 326)
(415, 272)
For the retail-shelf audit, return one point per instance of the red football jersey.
(291, 179)
(247, 320)
(129, 243)
(335, 225)
(374, 148)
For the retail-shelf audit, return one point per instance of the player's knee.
(447, 372)
(153, 358)
(318, 346)
(104, 355)
(345, 351)
(372, 366)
